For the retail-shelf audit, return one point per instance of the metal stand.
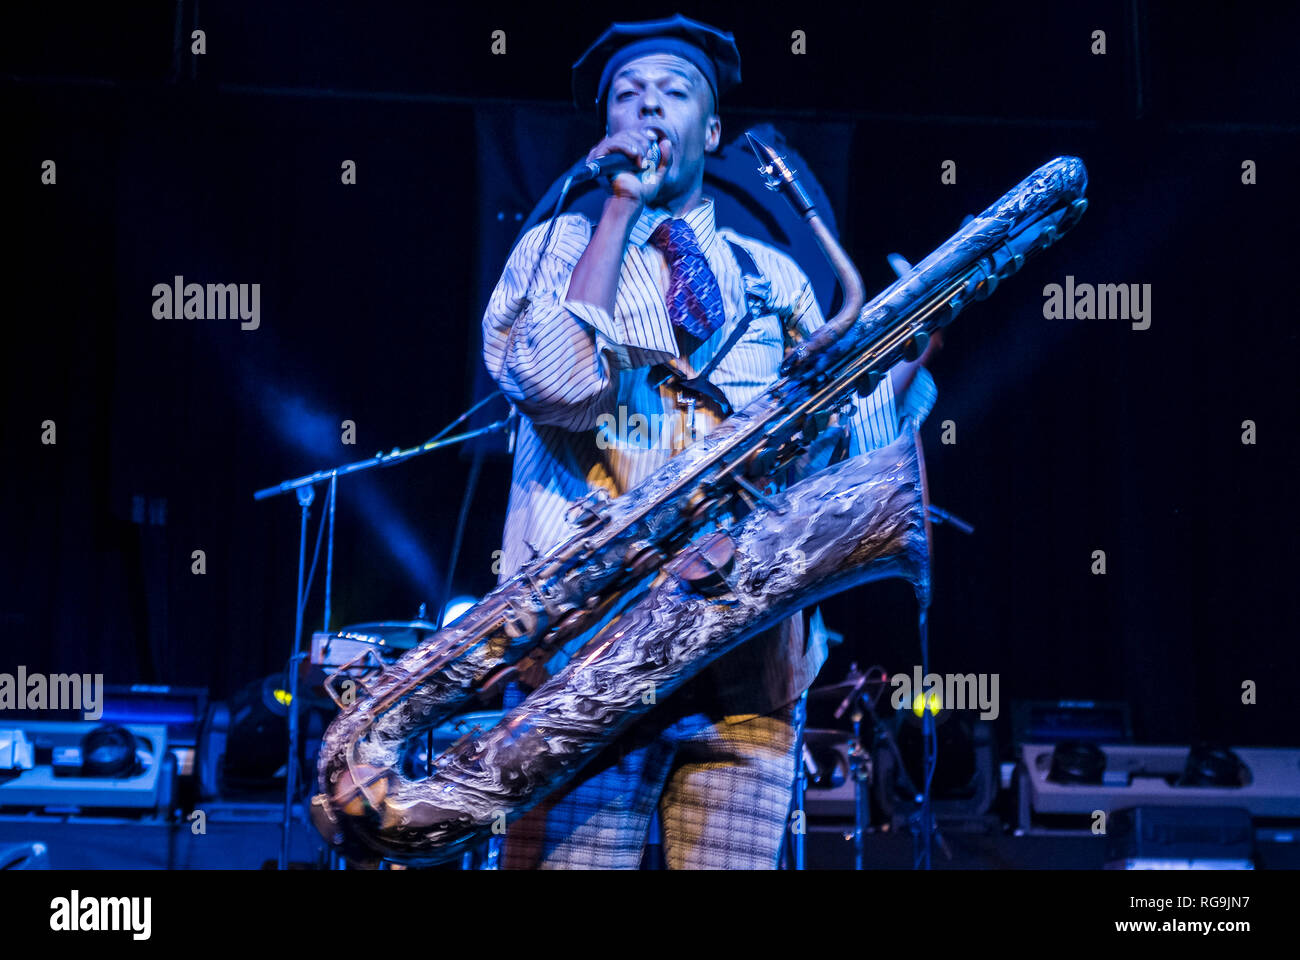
(921, 820)
(305, 497)
(798, 837)
(860, 770)
(859, 759)
(305, 488)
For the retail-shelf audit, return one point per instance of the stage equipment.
(387, 639)
(1265, 782)
(965, 784)
(857, 521)
(858, 695)
(109, 751)
(1077, 762)
(828, 749)
(16, 751)
(356, 653)
(255, 738)
(181, 708)
(1180, 838)
(25, 856)
(104, 766)
(210, 752)
(1082, 721)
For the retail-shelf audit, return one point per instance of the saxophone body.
(696, 599)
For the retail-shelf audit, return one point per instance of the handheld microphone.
(613, 163)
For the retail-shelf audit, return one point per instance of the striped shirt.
(580, 375)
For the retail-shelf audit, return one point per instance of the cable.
(930, 754)
(550, 226)
(320, 531)
(468, 497)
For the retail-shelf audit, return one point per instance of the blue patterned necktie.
(694, 298)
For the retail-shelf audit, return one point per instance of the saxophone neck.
(850, 280)
(778, 175)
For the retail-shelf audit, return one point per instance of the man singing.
(580, 336)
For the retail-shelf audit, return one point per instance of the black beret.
(712, 51)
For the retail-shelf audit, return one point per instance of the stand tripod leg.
(860, 770)
(305, 497)
(797, 836)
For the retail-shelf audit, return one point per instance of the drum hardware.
(388, 639)
(856, 700)
(860, 693)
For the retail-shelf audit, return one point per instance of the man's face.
(668, 94)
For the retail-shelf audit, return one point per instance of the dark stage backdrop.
(1071, 435)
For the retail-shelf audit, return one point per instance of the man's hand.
(595, 278)
(635, 145)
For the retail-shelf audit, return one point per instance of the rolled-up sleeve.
(919, 399)
(557, 359)
(542, 352)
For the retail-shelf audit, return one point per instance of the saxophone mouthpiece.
(765, 153)
(777, 175)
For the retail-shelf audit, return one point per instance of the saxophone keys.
(868, 382)
(644, 561)
(916, 345)
(324, 819)
(358, 789)
(589, 510)
(706, 566)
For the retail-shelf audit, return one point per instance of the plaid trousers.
(723, 791)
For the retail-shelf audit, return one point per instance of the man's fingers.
(634, 146)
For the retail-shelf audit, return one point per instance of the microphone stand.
(860, 701)
(863, 703)
(305, 488)
(793, 852)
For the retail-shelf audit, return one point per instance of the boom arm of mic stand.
(395, 455)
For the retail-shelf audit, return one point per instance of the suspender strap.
(700, 383)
